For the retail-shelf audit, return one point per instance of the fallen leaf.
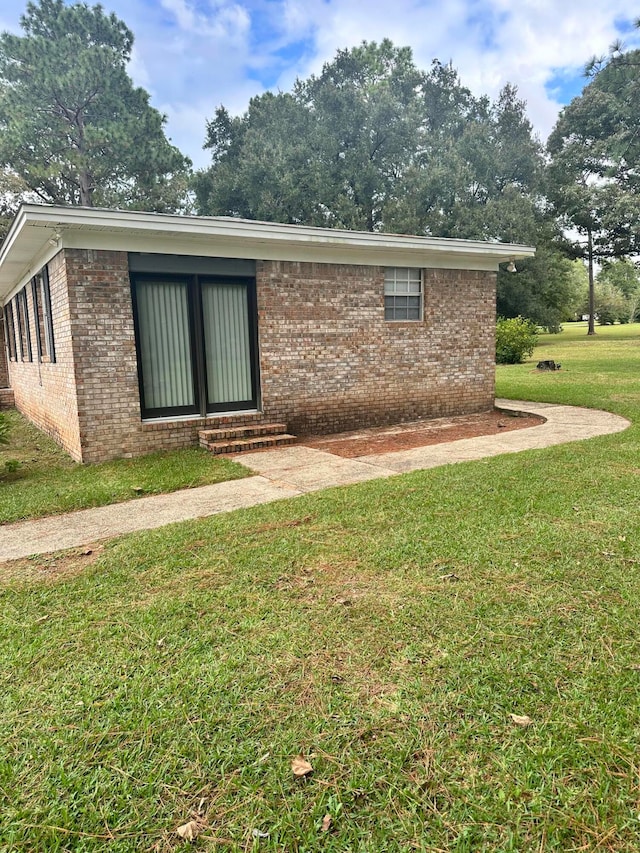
(326, 823)
(190, 830)
(521, 720)
(301, 767)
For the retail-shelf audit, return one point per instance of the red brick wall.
(330, 361)
(105, 355)
(44, 392)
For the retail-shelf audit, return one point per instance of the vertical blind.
(163, 322)
(226, 334)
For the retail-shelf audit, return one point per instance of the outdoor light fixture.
(511, 267)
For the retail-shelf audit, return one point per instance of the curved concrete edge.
(563, 424)
(292, 471)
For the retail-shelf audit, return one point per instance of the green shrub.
(515, 339)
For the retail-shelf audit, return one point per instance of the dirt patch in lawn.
(367, 442)
(50, 568)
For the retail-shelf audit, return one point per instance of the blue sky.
(193, 55)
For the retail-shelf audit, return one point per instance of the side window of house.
(402, 293)
(10, 331)
(41, 298)
(22, 311)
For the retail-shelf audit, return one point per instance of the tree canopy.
(373, 143)
(73, 128)
(593, 177)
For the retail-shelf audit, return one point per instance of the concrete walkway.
(292, 471)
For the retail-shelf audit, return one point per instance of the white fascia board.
(254, 249)
(38, 226)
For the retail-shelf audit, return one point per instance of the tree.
(367, 110)
(620, 281)
(495, 171)
(12, 191)
(610, 304)
(548, 288)
(263, 167)
(333, 152)
(594, 178)
(373, 143)
(73, 127)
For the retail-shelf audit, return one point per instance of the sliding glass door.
(196, 344)
(164, 340)
(225, 309)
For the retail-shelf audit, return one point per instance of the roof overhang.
(39, 231)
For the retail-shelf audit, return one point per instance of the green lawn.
(385, 631)
(41, 479)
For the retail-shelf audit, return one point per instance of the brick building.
(128, 332)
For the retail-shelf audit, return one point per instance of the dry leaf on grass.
(190, 830)
(326, 823)
(301, 767)
(521, 720)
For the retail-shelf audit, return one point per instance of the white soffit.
(39, 231)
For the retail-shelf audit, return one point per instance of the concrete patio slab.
(309, 470)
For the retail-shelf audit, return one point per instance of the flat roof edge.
(36, 225)
(95, 217)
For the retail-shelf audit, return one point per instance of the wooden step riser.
(256, 443)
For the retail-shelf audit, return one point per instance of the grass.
(41, 479)
(599, 371)
(385, 631)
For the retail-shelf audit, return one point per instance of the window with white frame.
(402, 293)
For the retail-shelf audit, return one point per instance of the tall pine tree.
(73, 127)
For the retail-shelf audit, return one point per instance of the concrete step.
(227, 433)
(256, 442)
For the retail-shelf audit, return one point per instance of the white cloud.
(490, 43)
(223, 20)
(193, 55)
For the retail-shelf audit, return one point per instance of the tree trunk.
(83, 174)
(85, 189)
(592, 293)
